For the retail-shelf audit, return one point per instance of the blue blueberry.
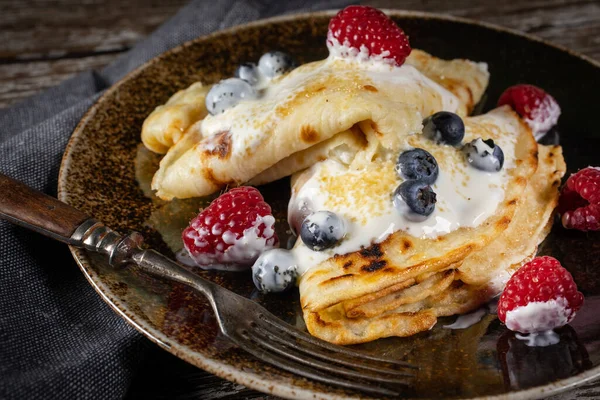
(291, 242)
(227, 94)
(417, 164)
(484, 155)
(248, 72)
(275, 271)
(275, 63)
(322, 230)
(415, 200)
(550, 138)
(444, 127)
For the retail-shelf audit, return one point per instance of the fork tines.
(352, 354)
(277, 343)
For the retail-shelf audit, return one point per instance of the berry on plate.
(227, 94)
(368, 32)
(539, 297)
(417, 164)
(539, 110)
(248, 72)
(579, 202)
(275, 63)
(484, 155)
(444, 127)
(415, 200)
(322, 230)
(274, 271)
(233, 230)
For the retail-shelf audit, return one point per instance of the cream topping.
(252, 121)
(347, 52)
(539, 316)
(540, 339)
(466, 196)
(467, 320)
(241, 252)
(543, 117)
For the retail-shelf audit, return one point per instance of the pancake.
(531, 224)
(467, 80)
(436, 283)
(363, 197)
(342, 146)
(337, 127)
(167, 124)
(401, 284)
(302, 109)
(406, 308)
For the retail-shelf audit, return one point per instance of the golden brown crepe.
(401, 255)
(467, 80)
(167, 124)
(353, 303)
(362, 117)
(300, 110)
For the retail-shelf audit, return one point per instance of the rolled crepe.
(305, 108)
(399, 287)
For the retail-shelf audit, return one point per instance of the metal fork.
(244, 321)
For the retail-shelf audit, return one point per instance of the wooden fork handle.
(37, 211)
(44, 214)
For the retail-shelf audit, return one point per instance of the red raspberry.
(363, 28)
(579, 203)
(534, 105)
(234, 229)
(539, 297)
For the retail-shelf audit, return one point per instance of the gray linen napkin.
(57, 338)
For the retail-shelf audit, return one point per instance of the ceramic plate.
(106, 173)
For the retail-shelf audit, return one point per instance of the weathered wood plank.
(572, 24)
(50, 29)
(20, 80)
(40, 35)
(39, 29)
(43, 42)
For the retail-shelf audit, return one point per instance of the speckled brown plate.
(105, 172)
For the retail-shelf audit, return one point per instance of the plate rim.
(250, 379)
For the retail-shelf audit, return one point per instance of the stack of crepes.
(361, 116)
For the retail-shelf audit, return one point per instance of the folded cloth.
(57, 338)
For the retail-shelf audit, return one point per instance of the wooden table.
(43, 42)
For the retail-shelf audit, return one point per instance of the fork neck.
(154, 263)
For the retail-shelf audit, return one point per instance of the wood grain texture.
(43, 42)
(23, 79)
(569, 23)
(38, 211)
(35, 29)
